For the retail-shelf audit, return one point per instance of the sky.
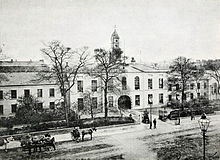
(149, 30)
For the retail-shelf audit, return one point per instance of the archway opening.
(124, 102)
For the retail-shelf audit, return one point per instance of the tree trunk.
(66, 109)
(106, 100)
(91, 112)
(182, 98)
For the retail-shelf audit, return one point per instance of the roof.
(138, 67)
(23, 78)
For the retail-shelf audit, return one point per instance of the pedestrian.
(155, 123)
(150, 124)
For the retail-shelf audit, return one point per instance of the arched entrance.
(124, 102)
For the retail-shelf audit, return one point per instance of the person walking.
(150, 124)
(155, 123)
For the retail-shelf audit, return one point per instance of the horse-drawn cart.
(37, 142)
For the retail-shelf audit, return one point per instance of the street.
(125, 142)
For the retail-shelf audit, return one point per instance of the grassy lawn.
(188, 147)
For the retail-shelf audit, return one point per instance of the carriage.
(37, 142)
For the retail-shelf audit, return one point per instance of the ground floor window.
(52, 105)
(1, 109)
(13, 108)
(170, 97)
(150, 98)
(94, 102)
(137, 100)
(191, 96)
(40, 106)
(80, 104)
(161, 98)
(110, 101)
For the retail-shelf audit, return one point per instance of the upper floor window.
(150, 84)
(124, 83)
(26, 92)
(198, 85)
(13, 94)
(160, 82)
(205, 85)
(110, 101)
(198, 95)
(137, 82)
(150, 98)
(161, 98)
(80, 104)
(169, 97)
(1, 95)
(52, 92)
(169, 87)
(177, 87)
(191, 96)
(94, 102)
(39, 92)
(192, 86)
(94, 85)
(137, 100)
(13, 108)
(1, 110)
(80, 86)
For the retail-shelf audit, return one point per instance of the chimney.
(11, 60)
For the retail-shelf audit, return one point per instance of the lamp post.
(204, 124)
(150, 102)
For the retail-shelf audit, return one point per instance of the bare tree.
(109, 67)
(213, 70)
(65, 66)
(180, 73)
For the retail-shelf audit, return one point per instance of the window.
(110, 101)
(160, 82)
(150, 98)
(94, 102)
(40, 106)
(80, 104)
(192, 86)
(13, 108)
(52, 92)
(215, 88)
(191, 96)
(169, 87)
(137, 83)
(13, 94)
(198, 95)
(170, 97)
(177, 97)
(94, 85)
(150, 84)
(198, 85)
(177, 87)
(124, 83)
(205, 94)
(137, 100)
(39, 92)
(1, 110)
(52, 105)
(80, 86)
(26, 93)
(161, 98)
(205, 85)
(1, 95)
(110, 85)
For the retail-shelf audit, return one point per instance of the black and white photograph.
(110, 79)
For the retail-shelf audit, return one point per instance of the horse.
(5, 141)
(88, 131)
